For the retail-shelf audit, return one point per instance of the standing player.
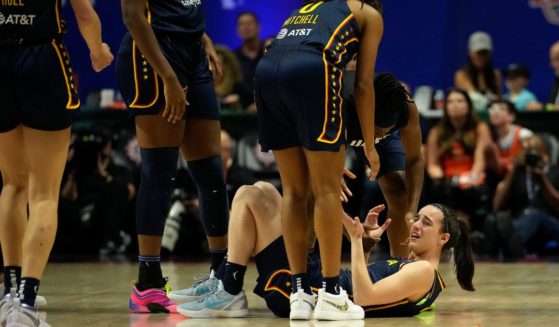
(398, 143)
(38, 95)
(161, 64)
(300, 117)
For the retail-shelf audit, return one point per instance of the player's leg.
(13, 213)
(254, 224)
(393, 186)
(392, 182)
(294, 174)
(201, 147)
(332, 302)
(326, 185)
(46, 152)
(159, 148)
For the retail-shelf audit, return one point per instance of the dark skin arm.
(415, 165)
(133, 13)
(372, 27)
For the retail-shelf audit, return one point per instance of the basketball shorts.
(142, 88)
(37, 87)
(297, 95)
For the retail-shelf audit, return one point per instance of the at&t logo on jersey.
(14, 19)
(296, 32)
(189, 3)
(282, 33)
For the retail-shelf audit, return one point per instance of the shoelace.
(213, 290)
(199, 279)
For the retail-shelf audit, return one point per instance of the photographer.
(97, 191)
(531, 192)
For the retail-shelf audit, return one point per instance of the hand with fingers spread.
(175, 100)
(346, 192)
(372, 230)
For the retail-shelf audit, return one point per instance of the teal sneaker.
(218, 304)
(203, 285)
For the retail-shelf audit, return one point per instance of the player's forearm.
(90, 29)
(145, 39)
(414, 182)
(362, 285)
(365, 103)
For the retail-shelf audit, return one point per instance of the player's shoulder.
(364, 12)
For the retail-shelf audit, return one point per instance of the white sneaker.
(40, 301)
(6, 305)
(301, 305)
(22, 315)
(336, 307)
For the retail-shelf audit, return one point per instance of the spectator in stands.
(517, 78)
(235, 176)
(531, 192)
(554, 61)
(456, 152)
(507, 135)
(99, 190)
(251, 50)
(479, 78)
(230, 89)
(455, 146)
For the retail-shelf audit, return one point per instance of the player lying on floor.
(394, 287)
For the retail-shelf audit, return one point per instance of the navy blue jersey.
(404, 308)
(30, 19)
(176, 17)
(328, 26)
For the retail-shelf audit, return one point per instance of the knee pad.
(159, 171)
(212, 193)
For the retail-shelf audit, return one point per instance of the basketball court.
(96, 294)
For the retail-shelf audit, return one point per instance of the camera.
(532, 159)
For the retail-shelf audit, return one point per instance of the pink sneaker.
(152, 300)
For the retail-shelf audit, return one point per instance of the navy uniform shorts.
(298, 98)
(391, 154)
(37, 87)
(274, 277)
(142, 88)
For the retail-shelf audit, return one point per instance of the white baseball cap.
(480, 41)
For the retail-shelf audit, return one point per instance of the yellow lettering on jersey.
(310, 7)
(13, 3)
(300, 20)
(392, 262)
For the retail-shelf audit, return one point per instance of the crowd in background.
(503, 176)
